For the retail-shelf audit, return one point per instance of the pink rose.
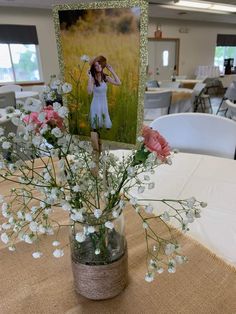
(32, 118)
(155, 142)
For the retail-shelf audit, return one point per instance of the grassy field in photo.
(122, 53)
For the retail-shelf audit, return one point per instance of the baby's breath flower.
(58, 253)
(56, 243)
(151, 185)
(149, 209)
(203, 204)
(149, 277)
(6, 145)
(145, 225)
(140, 139)
(141, 189)
(80, 237)
(37, 254)
(4, 238)
(133, 201)
(165, 216)
(97, 251)
(190, 202)
(109, 225)
(91, 229)
(97, 212)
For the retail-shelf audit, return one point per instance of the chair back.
(231, 91)
(11, 88)
(153, 83)
(7, 99)
(231, 112)
(153, 102)
(170, 84)
(198, 133)
(198, 89)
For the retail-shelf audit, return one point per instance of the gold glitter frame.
(143, 5)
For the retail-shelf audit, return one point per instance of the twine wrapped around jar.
(102, 281)
(99, 257)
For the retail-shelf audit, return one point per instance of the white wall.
(43, 21)
(197, 46)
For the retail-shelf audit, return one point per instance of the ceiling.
(156, 9)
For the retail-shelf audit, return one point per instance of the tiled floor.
(215, 102)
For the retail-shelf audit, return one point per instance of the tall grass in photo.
(117, 38)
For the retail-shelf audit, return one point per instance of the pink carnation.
(155, 142)
(32, 118)
(52, 118)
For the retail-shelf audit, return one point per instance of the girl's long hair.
(102, 61)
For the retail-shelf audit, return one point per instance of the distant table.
(26, 94)
(227, 80)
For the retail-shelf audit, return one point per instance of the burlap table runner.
(178, 96)
(189, 84)
(204, 285)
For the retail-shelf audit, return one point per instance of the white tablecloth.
(209, 179)
(227, 79)
(26, 94)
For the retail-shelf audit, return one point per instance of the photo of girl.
(101, 50)
(97, 85)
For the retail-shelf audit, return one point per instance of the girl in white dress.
(97, 84)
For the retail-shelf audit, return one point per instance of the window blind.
(18, 34)
(226, 40)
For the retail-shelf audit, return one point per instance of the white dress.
(99, 115)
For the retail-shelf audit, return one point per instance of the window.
(222, 53)
(225, 49)
(19, 54)
(165, 58)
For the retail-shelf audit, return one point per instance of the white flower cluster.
(178, 213)
(55, 90)
(53, 170)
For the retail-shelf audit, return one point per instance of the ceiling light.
(206, 5)
(195, 4)
(225, 8)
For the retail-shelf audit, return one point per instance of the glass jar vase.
(99, 258)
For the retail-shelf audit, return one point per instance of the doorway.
(163, 58)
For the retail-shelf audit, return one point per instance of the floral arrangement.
(53, 170)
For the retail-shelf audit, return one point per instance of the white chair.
(152, 83)
(170, 84)
(231, 109)
(7, 99)
(198, 133)
(156, 104)
(11, 88)
(229, 94)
